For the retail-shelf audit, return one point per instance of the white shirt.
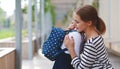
(77, 41)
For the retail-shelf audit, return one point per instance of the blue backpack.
(51, 48)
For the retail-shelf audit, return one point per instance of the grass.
(9, 33)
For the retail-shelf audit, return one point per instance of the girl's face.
(81, 26)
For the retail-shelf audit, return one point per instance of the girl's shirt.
(77, 42)
(94, 55)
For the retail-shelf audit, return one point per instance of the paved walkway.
(40, 62)
(115, 60)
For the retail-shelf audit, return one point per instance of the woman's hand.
(69, 43)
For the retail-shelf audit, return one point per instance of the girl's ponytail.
(89, 13)
(100, 26)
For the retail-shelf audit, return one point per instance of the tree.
(49, 7)
(96, 4)
(2, 17)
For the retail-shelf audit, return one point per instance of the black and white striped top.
(94, 55)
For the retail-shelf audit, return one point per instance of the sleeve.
(87, 58)
(77, 41)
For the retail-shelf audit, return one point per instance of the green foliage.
(24, 10)
(2, 16)
(65, 19)
(33, 13)
(96, 4)
(10, 33)
(6, 33)
(49, 7)
(70, 13)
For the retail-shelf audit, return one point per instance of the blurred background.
(25, 24)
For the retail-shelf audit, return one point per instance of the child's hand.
(71, 26)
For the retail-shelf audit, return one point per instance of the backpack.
(51, 48)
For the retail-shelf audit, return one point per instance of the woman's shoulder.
(94, 40)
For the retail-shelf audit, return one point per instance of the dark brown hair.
(89, 13)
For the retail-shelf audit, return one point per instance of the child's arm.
(71, 26)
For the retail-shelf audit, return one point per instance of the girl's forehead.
(76, 16)
(74, 13)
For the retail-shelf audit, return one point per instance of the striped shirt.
(94, 55)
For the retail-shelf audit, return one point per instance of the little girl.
(77, 38)
(63, 60)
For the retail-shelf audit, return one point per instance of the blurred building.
(109, 11)
(62, 7)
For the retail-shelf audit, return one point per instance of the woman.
(94, 55)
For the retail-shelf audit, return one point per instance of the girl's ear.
(89, 23)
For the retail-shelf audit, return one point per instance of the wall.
(7, 61)
(109, 11)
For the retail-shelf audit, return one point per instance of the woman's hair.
(89, 13)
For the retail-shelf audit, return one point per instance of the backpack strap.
(68, 31)
(65, 49)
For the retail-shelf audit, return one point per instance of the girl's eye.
(76, 21)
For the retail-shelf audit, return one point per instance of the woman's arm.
(87, 58)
